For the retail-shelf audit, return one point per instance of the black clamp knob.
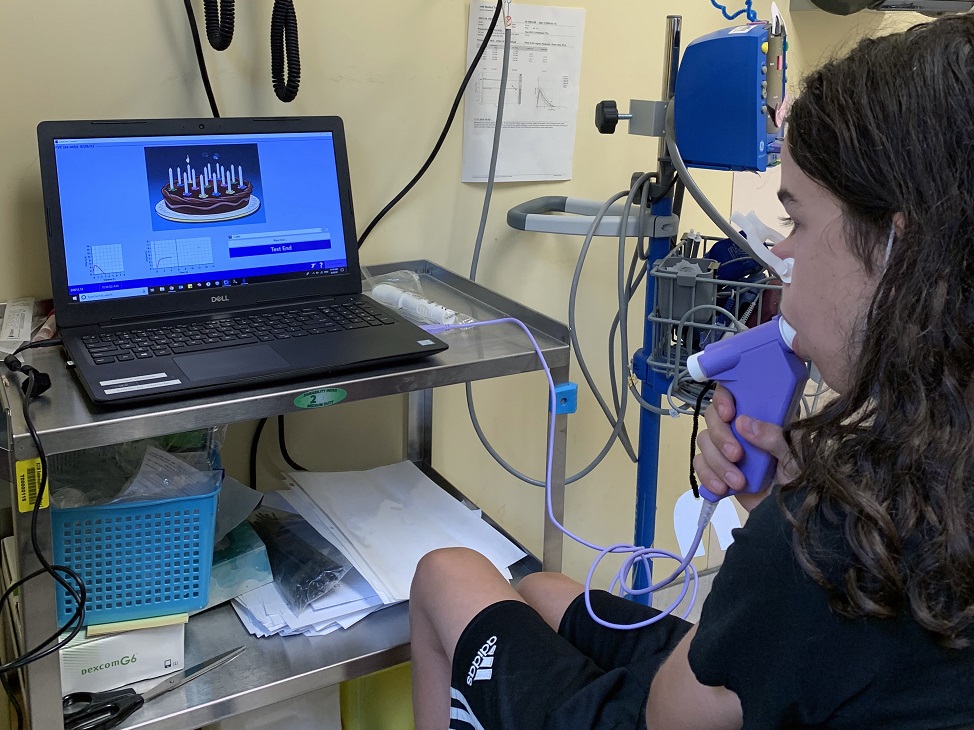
(606, 116)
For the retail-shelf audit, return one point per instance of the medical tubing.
(618, 423)
(680, 373)
(494, 151)
(446, 127)
(641, 554)
(751, 15)
(200, 61)
(624, 300)
(284, 44)
(218, 17)
(633, 282)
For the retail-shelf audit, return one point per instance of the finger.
(723, 402)
(721, 434)
(713, 469)
(766, 436)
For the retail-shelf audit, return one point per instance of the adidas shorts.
(512, 671)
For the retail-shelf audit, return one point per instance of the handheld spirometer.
(766, 378)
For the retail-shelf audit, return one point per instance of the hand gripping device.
(766, 378)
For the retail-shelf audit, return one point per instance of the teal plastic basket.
(137, 559)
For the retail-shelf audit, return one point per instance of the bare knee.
(445, 566)
(450, 587)
(459, 573)
(550, 594)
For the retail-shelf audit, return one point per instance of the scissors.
(103, 710)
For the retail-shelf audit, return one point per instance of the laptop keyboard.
(230, 331)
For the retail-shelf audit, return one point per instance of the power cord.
(446, 127)
(254, 443)
(201, 62)
(282, 444)
(34, 385)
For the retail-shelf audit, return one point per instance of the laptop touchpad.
(227, 364)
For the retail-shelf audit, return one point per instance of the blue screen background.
(109, 188)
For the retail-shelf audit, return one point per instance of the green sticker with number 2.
(320, 397)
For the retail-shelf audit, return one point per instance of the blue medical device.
(728, 100)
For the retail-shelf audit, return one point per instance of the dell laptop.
(190, 255)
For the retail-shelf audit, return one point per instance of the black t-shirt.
(767, 633)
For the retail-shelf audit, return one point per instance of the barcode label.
(28, 484)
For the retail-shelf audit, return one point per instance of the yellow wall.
(391, 70)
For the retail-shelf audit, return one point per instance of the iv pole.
(654, 383)
(532, 216)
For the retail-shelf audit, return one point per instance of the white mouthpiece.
(693, 367)
(787, 332)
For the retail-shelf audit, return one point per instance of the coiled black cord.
(219, 15)
(284, 43)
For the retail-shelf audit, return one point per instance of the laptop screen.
(151, 215)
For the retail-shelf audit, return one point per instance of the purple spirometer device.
(766, 378)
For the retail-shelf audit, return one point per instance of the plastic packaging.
(402, 291)
(96, 476)
(765, 377)
(305, 565)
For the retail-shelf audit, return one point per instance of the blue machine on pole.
(724, 100)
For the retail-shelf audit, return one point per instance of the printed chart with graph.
(489, 88)
(106, 260)
(553, 92)
(180, 253)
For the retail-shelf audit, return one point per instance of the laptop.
(194, 255)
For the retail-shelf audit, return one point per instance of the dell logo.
(224, 298)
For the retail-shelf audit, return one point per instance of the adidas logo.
(482, 663)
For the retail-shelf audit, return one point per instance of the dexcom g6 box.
(117, 660)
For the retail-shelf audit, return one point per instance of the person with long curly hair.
(847, 600)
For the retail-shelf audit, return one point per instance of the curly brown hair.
(889, 463)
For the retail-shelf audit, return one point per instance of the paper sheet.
(390, 517)
(541, 102)
(17, 324)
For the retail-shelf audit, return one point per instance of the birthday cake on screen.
(216, 191)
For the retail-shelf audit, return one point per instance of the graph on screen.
(106, 259)
(180, 253)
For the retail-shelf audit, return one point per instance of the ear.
(899, 223)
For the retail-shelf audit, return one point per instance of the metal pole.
(654, 384)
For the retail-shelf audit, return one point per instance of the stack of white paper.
(383, 520)
(386, 519)
(265, 613)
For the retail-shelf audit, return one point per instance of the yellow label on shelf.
(28, 484)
